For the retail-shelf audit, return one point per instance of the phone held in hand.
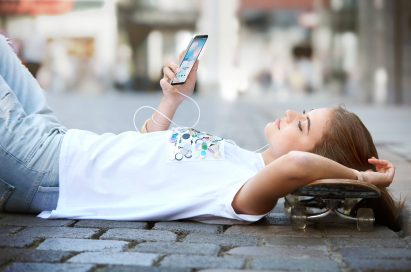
(193, 51)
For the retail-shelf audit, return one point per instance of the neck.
(268, 156)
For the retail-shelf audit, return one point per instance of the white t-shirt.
(169, 175)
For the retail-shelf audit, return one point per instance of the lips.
(277, 123)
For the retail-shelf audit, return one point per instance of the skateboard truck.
(331, 198)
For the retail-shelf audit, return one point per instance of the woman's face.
(297, 131)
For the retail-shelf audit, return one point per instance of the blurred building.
(357, 48)
(250, 42)
(339, 47)
(277, 49)
(68, 45)
(384, 31)
(158, 30)
(154, 30)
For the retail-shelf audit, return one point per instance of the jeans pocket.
(5, 192)
(45, 199)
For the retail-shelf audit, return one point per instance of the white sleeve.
(229, 197)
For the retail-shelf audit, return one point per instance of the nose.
(290, 115)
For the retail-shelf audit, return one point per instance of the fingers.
(165, 84)
(385, 172)
(383, 166)
(168, 73)
(170, 70)
(378, 162)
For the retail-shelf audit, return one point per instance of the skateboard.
(331, 198)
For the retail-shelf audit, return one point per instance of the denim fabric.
(30, 140)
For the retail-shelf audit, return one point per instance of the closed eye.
(300, 126)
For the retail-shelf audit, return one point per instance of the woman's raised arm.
(171, 99)
(296, 169)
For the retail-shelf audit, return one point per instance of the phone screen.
(192, 53)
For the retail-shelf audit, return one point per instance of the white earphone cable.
(165, 116)
(177, 125)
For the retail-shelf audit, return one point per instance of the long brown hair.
(347, 141)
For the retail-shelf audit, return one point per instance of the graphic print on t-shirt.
(189, 144)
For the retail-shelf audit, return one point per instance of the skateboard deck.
(339, 188)
(322, 199)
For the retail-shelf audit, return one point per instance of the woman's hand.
(384, 175)
(171, 99)
(170, 91)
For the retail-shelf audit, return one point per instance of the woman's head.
(334, 133)
(346, 140)
(297, 131)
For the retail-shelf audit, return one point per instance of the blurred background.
(359, 49)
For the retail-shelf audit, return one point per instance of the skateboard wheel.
(365, 219)
(287, 207)
(298, 218)
(289, 202)
(349, 203)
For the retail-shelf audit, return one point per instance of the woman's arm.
(171, 99)
(294, 170)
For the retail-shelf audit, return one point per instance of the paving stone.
(264, 231)
(199, 262)
(67, 244)
(294, 241)
(280, 252)
(375, 253)
(15, 241)
(188, 227)
(42, 267)
(379, 232)
(133, 268)
(233, 270)
(379, 265)
(32, 221)
(108, 224)
(58, 232)
(178, 248)
(31, 255)
(222, 240)
(406, 219)
(122, 258)
(8, 230)
(287, 264)
(362, 242)
(139, 235)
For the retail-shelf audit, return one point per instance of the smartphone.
(193, 51)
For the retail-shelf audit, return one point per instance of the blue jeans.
(30, 140)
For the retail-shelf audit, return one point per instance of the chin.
(267, 131)
(269, 126)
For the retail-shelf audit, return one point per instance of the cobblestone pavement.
(28, 243)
